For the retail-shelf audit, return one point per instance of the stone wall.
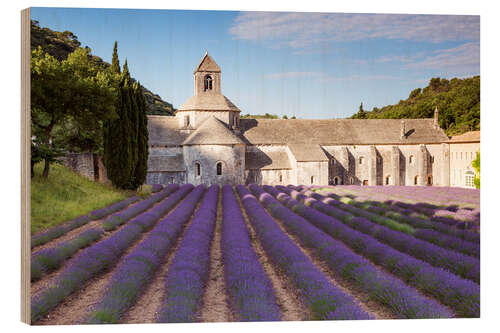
(461, 157)
(232, 158)
(166, 177)
(82, 163)
(269, 177)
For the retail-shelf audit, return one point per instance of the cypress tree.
(117, 135)
(115, 63)
(141, 167)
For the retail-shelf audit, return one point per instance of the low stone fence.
(88, 165)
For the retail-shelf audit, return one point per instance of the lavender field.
(263, 253)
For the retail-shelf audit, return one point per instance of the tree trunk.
(46, 169)
(48, 129)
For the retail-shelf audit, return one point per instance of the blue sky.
(312, 65)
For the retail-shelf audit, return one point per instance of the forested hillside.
(458, 102)
(60, 44)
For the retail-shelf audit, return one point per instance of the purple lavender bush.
(460, 294)
(137, 268)
(188, 272)
(463, 265)
(115, 220)
(249, 289)
(100, 213)
(402, 300)
(156, 188)
(58, 231)
(94, 259)
(324, 299)
(49, 259)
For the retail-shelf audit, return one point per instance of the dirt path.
(146, 307)
(288, 300)
(73, 309)
(215, 306)
(374, 309)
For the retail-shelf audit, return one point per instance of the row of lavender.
(459, 216)
(324, 299)
(403, 215)
(425, 235)
(101, 256)
(460, 294)
(136, 269)
(58, 231)
(419, 213)
(404, 301)
(46, 260)
(430, 195)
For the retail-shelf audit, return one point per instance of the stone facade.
(463, 150)
(207, 142)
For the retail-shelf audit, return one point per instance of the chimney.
(436, 118)
(403, 129)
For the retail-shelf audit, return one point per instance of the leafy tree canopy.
(458, 102)
(69, 98)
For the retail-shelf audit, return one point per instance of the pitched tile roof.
(257, 159)
(212, 132)
(340, 131)
(304, 152)
(209, 102)
(164, 131)
(472, 136)
(207, 64)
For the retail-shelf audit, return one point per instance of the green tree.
(115, 62)
(141, 166)
(73, 91)
(361, 113)
(285, 116)
(476, 164)
(126, 137)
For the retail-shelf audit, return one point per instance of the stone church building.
(207, 142)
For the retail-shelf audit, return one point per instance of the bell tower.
(207, 77)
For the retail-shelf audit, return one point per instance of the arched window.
(352, 181)
(411, 159)
(281, 178)
(312, 179)
(365, 182)
(171, 180)
(429, 180)
(415, 181)
(219, 168)
(336, 181)
(186, 121)
(361, 159)
(197, 169)
(208, 82)
(388, 180)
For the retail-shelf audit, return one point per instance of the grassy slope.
(66, 195)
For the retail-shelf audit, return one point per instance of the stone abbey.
(206, 142)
